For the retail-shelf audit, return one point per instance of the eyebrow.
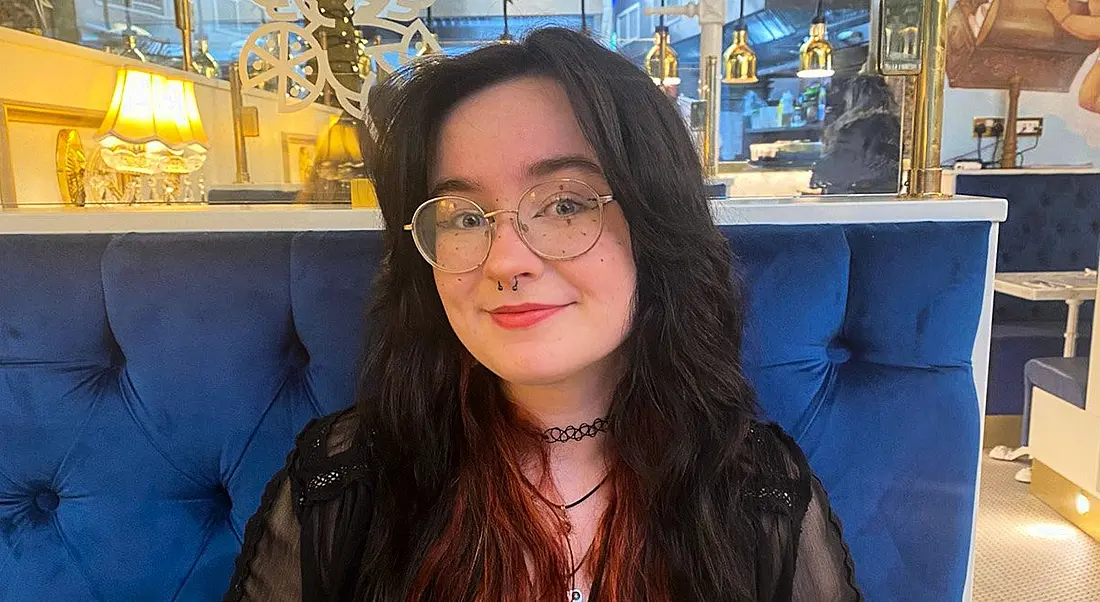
(453, 186)
(552, 165)
(542, 168)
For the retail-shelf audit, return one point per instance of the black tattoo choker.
(575, 433)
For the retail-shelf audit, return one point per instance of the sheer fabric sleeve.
(823, 566)
(802, 554)
(305, 541)
(269, 565)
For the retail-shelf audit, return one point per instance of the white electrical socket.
(1030, 126)
(1025, 126)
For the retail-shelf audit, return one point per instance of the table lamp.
(153, 126)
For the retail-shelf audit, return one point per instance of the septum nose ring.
(515, 284)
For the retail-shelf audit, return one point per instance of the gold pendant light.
(129, 38)
(661, 62)
(815, 59)
(739, 59)
(506, 37)
(424, 48)
(130, 47)
(204, 63)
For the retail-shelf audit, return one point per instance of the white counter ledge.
(268, 218)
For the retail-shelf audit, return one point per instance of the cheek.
(454, 291)
(611, 277)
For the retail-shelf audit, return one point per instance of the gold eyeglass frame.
(601, 200)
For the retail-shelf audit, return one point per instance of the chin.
(530, 367)
(517, 373)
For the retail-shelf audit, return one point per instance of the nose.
(509, 257)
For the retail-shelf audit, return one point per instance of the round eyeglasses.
(559, 219)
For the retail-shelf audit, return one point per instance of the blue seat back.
(1053, 225)
(150, 385)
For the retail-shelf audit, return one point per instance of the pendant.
(575, 595)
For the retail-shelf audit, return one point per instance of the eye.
(565, 206)
(466, 220)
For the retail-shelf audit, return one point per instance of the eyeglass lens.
(557, 220)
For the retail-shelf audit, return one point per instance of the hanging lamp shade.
(661, 62)
(815, 59)
(506, 37)
(425, 48)
(204, 63)
(740, 60)
(338, 154)
(130, 48)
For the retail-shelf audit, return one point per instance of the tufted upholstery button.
(46, 501)
(222, 497)
(838, 352)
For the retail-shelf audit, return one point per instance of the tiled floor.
(1024, 551)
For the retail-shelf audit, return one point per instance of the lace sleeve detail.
(802, 555)
(299, 544)
(823, 565)
(774, 485)
(332, 458)
(269, 565)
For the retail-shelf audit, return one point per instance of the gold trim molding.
(1002, 430)
(1061, 494)
(15, 111)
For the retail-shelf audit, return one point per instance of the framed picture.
(299, 152)
(33, 129)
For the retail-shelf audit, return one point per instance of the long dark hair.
(856, 98)
(451, 517)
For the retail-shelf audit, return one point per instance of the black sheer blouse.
(313, 510)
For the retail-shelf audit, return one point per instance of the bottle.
(786, 109)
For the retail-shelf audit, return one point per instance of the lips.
(526, 315)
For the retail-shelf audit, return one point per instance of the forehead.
(495, 136)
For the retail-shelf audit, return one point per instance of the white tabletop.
(811, 209)
(1047, 286)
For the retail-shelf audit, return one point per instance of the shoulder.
(331, 435)
(778, 479)
(331, 454)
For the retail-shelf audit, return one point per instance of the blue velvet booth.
(1053, 225)
(150, 384)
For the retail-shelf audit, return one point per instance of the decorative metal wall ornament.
(289, 50)
(72, 164)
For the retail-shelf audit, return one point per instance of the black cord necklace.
(575, 595)
(584, 498)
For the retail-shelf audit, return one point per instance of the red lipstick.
(526, 315)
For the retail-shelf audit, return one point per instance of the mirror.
(900, 26)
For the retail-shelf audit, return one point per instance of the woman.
(554, 408)
(862, 139)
